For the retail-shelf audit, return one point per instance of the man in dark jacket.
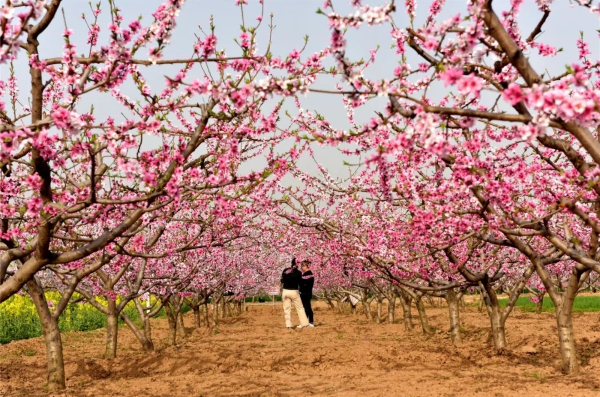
(306, 286)
(290, 278)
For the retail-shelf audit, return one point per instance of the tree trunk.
(223, 308)
(112, 332)
(172, 321)
(206, 315)
(54, 350)
(497, 320)
(480, 304)
(172, 332)
(54, 356)
(498, 326)
(564, 320)
(180, 324)
(366, 304)
(406, 313)
(423, 316)
(112, 329)
(339, 305)
(146, 342)
(329, 302)
(215, 314)
(367, 309)
(454, 316)
(197, 321)
(391, 309)
(147, 328)
(566, 340)
(378, 319)
(540, 304)
(145, 338)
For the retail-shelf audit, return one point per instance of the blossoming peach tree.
(479, 171)
(475, 141)
(79, 192)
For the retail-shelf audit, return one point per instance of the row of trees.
(149, 198)
(478, 171)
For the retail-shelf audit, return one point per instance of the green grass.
(581, 304)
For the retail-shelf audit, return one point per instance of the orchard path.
(254, 355)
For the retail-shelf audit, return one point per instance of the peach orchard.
(478, 171)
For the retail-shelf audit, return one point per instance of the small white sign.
(274, 291)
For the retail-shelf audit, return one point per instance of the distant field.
(19, 319)
(582, 304)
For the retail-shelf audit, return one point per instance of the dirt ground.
(254, 355)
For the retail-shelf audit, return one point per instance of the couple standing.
(297, 291)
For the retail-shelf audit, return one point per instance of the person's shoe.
(310, 325)
(300, 326)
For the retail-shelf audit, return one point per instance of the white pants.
(289, 297)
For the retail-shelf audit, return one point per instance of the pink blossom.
(34, 205)
(450, 76)
(469, 84)
(513, 94)
(61, 117)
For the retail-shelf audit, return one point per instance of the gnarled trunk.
(497, 320)
(147, 328)
(406, 312)
(112, 329)
(366, 305)
(206, 315)
(215, 314)
(392, 309)
(145, 341)
(197, 321)
(223, 309)
(329, 302)
(172, 321)
(564, 321)
(52, 339)
(498, 328)
(566, 340)
(181, 325)
(480, 304)
(423, 316)
(454, 316)
(339, 305)
(54, 356)
(540, 304)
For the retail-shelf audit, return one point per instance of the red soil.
(254, 355)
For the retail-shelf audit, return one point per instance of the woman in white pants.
(290, 278)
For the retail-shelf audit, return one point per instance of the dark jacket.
(290, 278)
(307, 282)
